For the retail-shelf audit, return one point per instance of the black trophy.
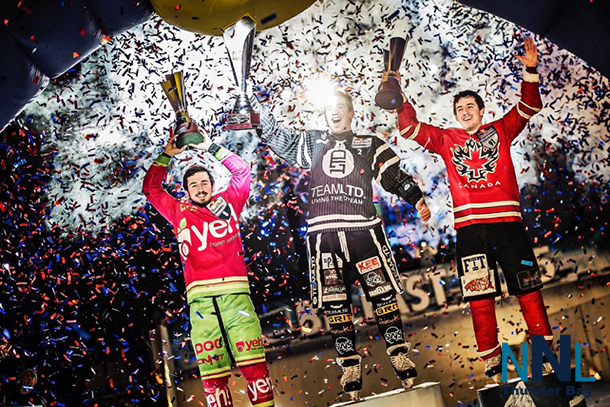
(389, 94)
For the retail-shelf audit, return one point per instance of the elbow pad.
(407, 189)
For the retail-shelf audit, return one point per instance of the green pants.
(230, 316)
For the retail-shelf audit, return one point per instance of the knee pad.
(217, 392)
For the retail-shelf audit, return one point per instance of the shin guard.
(534, 313)
(485, 327)
(260, 387)
(217, 392)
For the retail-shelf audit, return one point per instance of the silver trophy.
(239, 40)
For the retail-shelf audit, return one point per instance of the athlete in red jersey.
(224, 325)
(486, 207)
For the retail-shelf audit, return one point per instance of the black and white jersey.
(342, 169)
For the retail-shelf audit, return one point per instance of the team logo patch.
(393, 335)
(529, 279)
(220, 208)
(338, 162)
(374, 279)
(478, 279)
(367, 265)
(474, 161)
(488, 137)
(332, 277)
(344, 345)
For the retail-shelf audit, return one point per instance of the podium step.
(429, 393)
(550, 392)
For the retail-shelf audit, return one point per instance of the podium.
(429, 393)
(550, 392)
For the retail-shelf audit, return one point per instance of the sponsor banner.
(339, 319)
(386, 309)
(367, 265)
(388, 321)
(529, 279)
(334, 297)
(478, 279)
(245, 346)
(386, 288)
(332, 277)
(211, 359)
(208, 346)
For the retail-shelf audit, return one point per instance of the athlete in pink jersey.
(486, 208)
(225, 325)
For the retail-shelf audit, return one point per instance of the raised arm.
(153, 181)
(239, 185)
(387, 173)
(530, 103)
(293, 146)
(427, 136)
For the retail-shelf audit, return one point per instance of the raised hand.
(171, 149)
(530, 59)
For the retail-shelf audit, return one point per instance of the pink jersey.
(209, 239)
(480, 169)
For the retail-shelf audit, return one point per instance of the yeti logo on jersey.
(344, 345)
(219, 208)
(338, 162)
(474, 161)
(393, 335)
(217, 229)
(477, 278)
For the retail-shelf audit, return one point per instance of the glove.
(204, 145)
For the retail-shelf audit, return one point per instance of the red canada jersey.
(209, 238)
(480, 169)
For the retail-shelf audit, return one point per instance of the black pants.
(482, 246)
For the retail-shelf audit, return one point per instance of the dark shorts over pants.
(481, 246)
(339, 258)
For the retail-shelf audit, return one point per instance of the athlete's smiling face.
(468, 114)
(199, 188)
(339, 116)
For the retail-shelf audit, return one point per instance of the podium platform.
(429, 393)
(550, 392)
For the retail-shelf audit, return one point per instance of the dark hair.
(468, 93)
(338, 93)
(194, 170)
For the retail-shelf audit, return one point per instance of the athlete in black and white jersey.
(345, 238)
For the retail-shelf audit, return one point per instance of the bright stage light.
(319, 92)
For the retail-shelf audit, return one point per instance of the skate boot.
(493, 368)
(403, 366)
(352, 375)
(547, 368)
